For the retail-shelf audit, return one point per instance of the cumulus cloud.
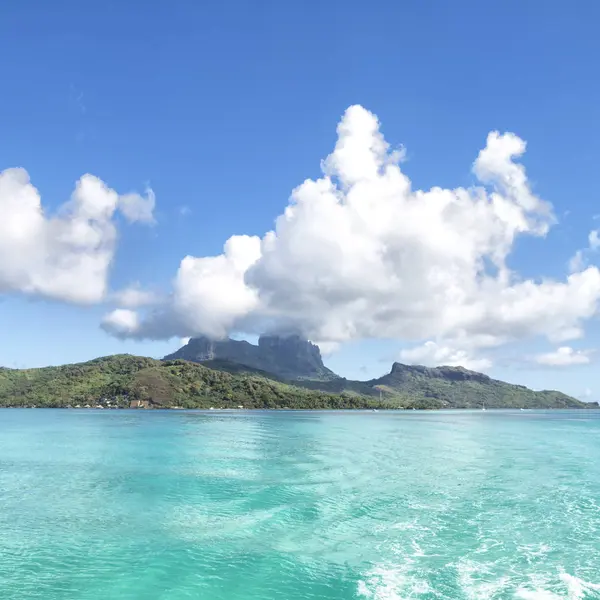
(67, 255)
(431, 354)
(210, 294)
(121, 321)
(565, 356)
(134, 296)
(359, 253)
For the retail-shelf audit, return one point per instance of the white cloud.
(121, 321)
(136, 208)
(579, 261)
(564, 356)
(358, 253)
(134, 297)
(210, 295)
(327, 348)
(65, 256)
(431, 354)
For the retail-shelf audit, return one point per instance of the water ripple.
(296, 506)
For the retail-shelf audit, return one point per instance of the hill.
(456, 387)
(124, 380)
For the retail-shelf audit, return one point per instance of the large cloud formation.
(358, 253)
(65, 256)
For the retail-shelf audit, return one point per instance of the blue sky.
(224, 108)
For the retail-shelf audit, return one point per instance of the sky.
(408, 181)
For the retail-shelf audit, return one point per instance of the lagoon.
(174, 505)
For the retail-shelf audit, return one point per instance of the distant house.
(139, 404)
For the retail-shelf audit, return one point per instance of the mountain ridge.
(457, 387)
(415, 385)
(126, 381)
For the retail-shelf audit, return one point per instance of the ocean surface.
(124, 505)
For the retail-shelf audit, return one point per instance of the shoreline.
(220, 410)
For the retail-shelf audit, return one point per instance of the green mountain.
(297, 361)
(456, 387)
(133, 381)
(288, 357)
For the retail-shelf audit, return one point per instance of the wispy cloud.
(565, 356)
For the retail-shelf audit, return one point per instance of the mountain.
(294, 360)
(456, 387)
(288, 357)
(124, 381)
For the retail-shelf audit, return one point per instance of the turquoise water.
(294, 505)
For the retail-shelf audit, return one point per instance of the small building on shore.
(139, 404)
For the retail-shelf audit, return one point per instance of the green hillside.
(456, 387)
(122, 380)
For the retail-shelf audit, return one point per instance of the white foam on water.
(418, 550)
(404, 526)
(538, 594)
(473, 582)
(534, 552)
(392, 583)
(574, 589)
(399, 583)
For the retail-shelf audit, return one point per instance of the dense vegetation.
(455, 387)
(123, 379)
(297, 362)
(442, 387)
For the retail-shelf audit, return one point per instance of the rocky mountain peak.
(289, 356)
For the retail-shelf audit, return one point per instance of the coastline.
(592, 408)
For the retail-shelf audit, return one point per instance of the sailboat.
(483, 407)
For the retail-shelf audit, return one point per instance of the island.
(281, 372)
